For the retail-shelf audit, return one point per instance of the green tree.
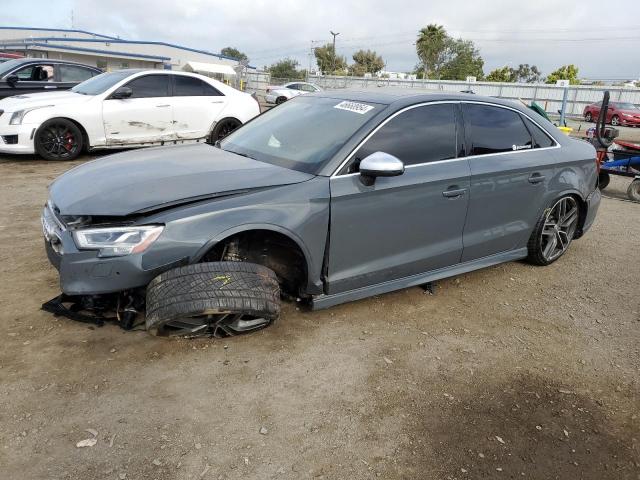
(462, 60)
(366, 61)
(566, 72)
(526, 73)
(234, 53)
(325, 59)
(503, 74)
(431, 49)
(286, 68)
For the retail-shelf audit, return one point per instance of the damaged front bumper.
(84, 272)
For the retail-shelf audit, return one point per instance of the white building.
(111, 53)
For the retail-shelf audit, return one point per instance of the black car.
(31, 75)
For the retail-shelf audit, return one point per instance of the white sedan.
(126, 108)
(289, 90)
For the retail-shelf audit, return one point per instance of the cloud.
(547, 33)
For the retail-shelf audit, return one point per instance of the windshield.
(301, 134)
(101, 83)
(626, 106)
(9, 65)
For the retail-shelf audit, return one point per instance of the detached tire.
(633, 192)
(218, 298)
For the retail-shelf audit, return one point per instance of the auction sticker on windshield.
(355, 107)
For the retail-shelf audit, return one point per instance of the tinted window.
(307, 88)
(419, 135)
(149, 86)
(71, 73)
(192, 87)
(495, 129)
(540, 139)
(294, 86)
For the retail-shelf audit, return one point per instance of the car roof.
(391, 95)
(25, 61)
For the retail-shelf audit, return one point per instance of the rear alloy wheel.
(218, 299)
(554, 231)
(615, 120)
(588, 117)
(633, 192)
(58, 139)
(224, 128)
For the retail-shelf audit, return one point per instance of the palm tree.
(430, 47)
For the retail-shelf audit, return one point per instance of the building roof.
(53, 46)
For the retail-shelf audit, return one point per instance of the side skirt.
(325, 301)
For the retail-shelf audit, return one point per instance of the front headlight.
(117, 241)
(17, 117)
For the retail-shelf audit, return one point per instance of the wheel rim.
(226, 128)
(614, 121)
(58, 141)
(218, 325)
(559, 227)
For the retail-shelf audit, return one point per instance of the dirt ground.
(510, 372)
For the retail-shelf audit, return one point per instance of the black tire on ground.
(603, 180)
(280, 100)
(588, 117)
(554, 215)
(615, 120)
(58, 139)
(218, 298)
(224, 128)
(633, 192)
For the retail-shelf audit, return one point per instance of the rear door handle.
(162, 106)
(452, 193)
(48, 87)
(536, 178)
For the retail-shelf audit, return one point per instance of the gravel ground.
(510, 372)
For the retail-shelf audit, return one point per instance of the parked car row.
(126, 108)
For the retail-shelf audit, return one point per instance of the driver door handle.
(536, 178)
(161, 106)
(453, 193)
(48, 87)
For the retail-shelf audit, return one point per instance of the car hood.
(145, 180)
(31, 100)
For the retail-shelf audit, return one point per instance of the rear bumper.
(593, 203)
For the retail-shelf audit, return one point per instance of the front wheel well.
(271, 249)
(85, 135)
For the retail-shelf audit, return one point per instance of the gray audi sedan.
(328, 198)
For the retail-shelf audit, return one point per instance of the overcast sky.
(601, 37)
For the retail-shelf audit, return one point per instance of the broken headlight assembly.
(117, 241)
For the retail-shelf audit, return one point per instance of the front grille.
(10, 139)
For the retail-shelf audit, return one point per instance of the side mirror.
(121, 93)
(12, 79)
(380, 164)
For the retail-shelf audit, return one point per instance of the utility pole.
(333, 66)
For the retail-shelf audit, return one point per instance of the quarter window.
(184, 86)
(418, 135)
(495, 130)
(540, 138)
(149, 86)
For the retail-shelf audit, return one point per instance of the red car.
(619, 113)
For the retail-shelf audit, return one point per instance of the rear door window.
(418, 135)
(149, 86)
(184, 86)
(72, 73)
(495, 130)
